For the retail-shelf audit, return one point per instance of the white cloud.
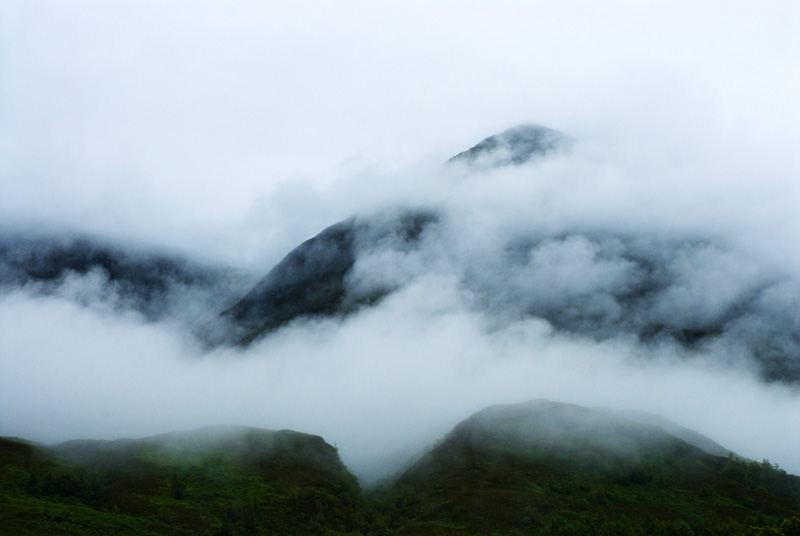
(234, 132)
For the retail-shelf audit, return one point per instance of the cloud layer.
(233, 133)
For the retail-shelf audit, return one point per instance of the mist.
(230, 134)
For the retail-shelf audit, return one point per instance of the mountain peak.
(553, 426)
(514, 146)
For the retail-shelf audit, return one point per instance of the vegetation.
(477, 481)
(502, 493)
(295, 486)
(787, 527)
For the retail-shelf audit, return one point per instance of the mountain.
(688, 435)
(221, 480)
(312, 280)
(549, 468)
(697, 293)
(514, 146)
(153, 283)
(693, 294)
(538, 467)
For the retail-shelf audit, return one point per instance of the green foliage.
(668, 490)
(295, 484)
(788, 527)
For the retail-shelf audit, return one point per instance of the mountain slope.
(514, 146)
(542, 465)
(697, 293)
(154, 283)
(312, 280)
(688, 435)
(539, 467)
(223, 480)
(690, 294)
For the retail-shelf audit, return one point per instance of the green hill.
(214, 481)
(537, 468)
(547, 468)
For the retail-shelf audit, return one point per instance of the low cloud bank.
(536, 281)
(381, 385)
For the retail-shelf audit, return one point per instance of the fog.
(231, 133)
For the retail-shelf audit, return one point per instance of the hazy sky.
(235, 130)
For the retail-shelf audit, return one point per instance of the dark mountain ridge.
(696, 293)
(157, 284)
(661, 289)
(311, 281)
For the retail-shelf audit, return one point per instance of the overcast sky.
(234, 130)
